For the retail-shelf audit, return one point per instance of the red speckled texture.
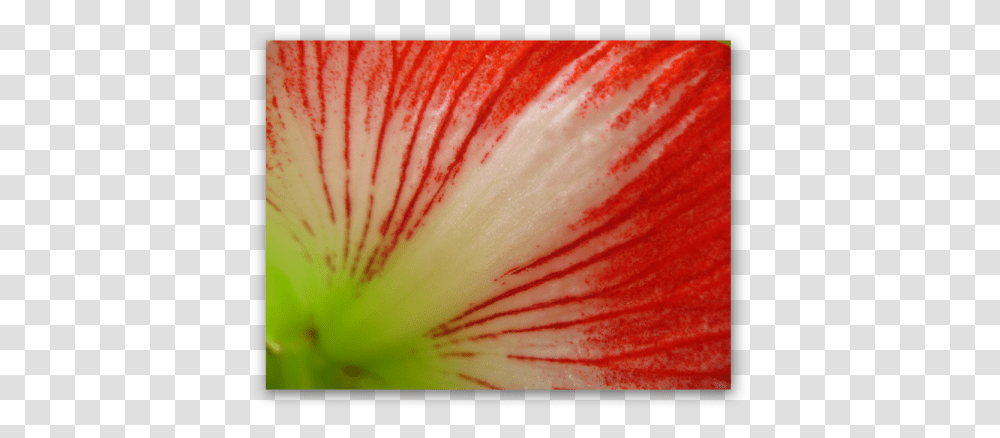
(648, 264)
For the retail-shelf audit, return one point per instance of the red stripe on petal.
(479, 382)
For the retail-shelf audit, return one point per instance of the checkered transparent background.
(866, 212)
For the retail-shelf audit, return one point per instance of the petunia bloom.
(516, 215)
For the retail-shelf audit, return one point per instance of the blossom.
(517, 215)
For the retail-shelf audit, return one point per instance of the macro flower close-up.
(498, 215)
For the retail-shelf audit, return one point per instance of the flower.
(522, 215)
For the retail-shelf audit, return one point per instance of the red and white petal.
(545, 214)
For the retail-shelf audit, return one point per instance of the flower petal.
(519, 215)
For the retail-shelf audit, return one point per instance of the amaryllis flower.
(537, 215)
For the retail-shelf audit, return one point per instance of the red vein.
(302, 80)
(459, 354)
(322, 174)
(320, 66)
(347, 149)
(479, 382)
(273, 205)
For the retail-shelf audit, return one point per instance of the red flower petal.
(538, 214)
